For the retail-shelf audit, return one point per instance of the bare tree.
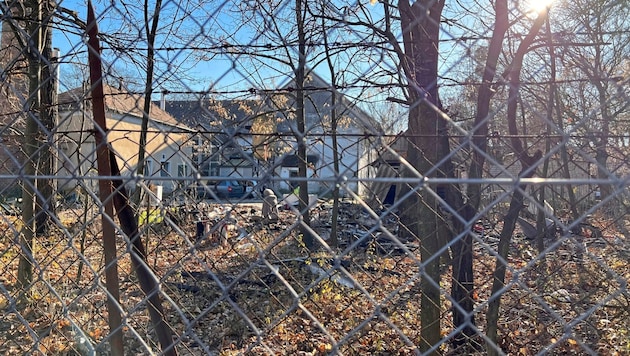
(598, 48)
(339, 56)
(528, 163)
(462, 280)
(334, 122)
(300, 120)
(289, 26)
(31, 23)
(151, 22)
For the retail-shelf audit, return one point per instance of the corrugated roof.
(118, 101)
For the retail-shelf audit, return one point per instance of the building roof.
(207, 112)
(118, 101)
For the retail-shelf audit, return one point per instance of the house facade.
(168, 149)
(222, 144)
(355, 135)
(254, 140)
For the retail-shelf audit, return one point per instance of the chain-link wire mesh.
(298, 188)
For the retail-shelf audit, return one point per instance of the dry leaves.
(258, 296)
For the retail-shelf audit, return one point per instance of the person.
(269, 206)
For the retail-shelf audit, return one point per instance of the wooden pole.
(107, 166)
(104, 186)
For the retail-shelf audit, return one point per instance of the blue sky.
(179, 67)
(183, 69)
(195, 74)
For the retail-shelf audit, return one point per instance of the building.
(223, 144)
(168, 149)
(254, 139)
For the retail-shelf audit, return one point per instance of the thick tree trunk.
(421, 26)
(32, 142)
(45, 206)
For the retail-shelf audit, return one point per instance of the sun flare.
(538, 6)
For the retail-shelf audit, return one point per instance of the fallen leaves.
(260, 313)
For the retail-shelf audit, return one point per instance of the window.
(165, 169)
(215, 168)
(182, 170)
(148, 168)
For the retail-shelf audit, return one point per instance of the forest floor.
(260, 292)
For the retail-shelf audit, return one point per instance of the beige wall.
(124, 136)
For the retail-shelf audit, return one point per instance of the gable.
(318, 109)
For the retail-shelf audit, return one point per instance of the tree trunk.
(333, 241)
(540, 196)
(564, 158)
(45, 206)
(462, 271)
(32, 142)
(509, 223)
(300, 76)
(105, 188)
(150, 32)
(421, 25)
(601, 142)
(516, 203)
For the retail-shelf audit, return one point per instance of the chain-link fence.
(280, 177)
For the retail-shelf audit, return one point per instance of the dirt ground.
(260, 292)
